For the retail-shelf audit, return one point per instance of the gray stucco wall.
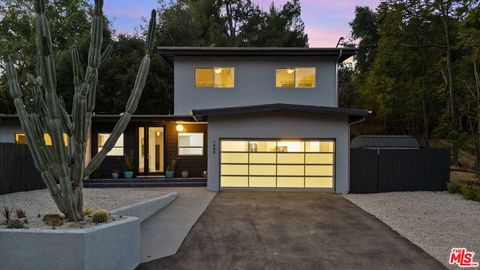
(280, 125)
(8, 128)
(254, 83)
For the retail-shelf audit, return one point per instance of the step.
(145, 180)
(143, 184)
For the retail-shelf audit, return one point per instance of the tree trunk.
(454, 124)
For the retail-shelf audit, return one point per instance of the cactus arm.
(39, 153)
(132, 102)
(94, 54)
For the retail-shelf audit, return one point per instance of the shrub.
(100, 216)
(469, 192)
(454, 187)
(15, 224)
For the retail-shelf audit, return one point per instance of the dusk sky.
(325, 20)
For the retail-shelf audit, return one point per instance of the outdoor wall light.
(179, 128)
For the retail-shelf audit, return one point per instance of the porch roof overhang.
(169, 53)
(135, 118)
(354, 115)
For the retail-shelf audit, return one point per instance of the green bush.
(469, 192)
(454, 187)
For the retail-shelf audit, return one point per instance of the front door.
(151, 144)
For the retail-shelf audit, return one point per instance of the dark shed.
(385, 142)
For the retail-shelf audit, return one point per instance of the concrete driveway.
(285, 230)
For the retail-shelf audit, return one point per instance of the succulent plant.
(20, 213)
(87, 211)
(6, 213)
(41, 110)
(15, 224)
(100, 216)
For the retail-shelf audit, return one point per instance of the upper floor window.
(21, 138)
(219, 77)
(117, 149)
(295, 77)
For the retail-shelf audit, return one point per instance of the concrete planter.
(114, 246)
(145, 209)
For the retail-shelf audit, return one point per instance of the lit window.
(285, 77)
(190, 144)
(117, 149)
(218, 77)
(20, 138)
(295, 77)
(305, 77)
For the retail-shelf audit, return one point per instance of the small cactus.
(15, 224)
(87, 211)
(100, 216)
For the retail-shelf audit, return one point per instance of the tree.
(41, 111)
(69, 24)
(364, 29)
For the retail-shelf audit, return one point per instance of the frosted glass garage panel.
(234, 146)
(319, 182)
(289, 170)
(264, 182)
(319, 170)
(234, 158)
(263, 158)
(262, 169)
(319, 158)
(291, 158)
(291, 182)
(234, 181)
(262, 146)
(234, 169)
(290, 146)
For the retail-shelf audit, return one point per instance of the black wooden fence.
(387, 170)
(17, 170)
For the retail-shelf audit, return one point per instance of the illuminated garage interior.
(277, 163)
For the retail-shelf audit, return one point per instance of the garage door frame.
(334, 165)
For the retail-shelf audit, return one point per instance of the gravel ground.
(434, 221)
(39, 201)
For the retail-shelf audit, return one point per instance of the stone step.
(144, 184)
(146, 180)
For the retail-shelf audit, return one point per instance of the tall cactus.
(62, 167)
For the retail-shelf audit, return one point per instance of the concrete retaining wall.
(144, 209)
(112, 246)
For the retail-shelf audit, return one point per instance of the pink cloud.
(319, 37)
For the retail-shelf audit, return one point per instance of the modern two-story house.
(253, 118)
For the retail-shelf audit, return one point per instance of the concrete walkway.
(277, 230)
(163, 233)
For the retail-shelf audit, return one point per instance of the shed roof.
(169, 53)
(384, 141)
(353, 114)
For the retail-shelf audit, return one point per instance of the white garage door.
(296, 163)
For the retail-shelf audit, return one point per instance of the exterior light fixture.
(179, 127)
